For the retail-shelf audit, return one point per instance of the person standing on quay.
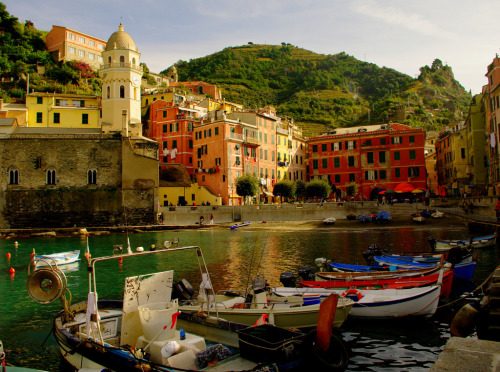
(211, 219)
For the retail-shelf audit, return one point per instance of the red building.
(370, 157)
(172, 127)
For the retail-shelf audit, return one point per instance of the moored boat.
(62, 258)
(378, 303)
(396, 283)
(329, 221)
(477, 242)
(142, 331)
(238, 225)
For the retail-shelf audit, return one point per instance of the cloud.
(396, 16)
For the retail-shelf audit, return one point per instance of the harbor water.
(233, 259)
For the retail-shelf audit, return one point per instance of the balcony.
(242, 138)
(122, 65)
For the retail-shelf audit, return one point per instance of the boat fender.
(464, 322)
(368, 288)
(350, 292)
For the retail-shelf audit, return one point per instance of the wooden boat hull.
(278, 313)
(383, 303)
(400, 283)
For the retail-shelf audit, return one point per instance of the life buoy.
(351, 291)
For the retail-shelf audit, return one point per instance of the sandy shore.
(341, 224)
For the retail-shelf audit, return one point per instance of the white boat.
(62, 258)
(290, 313)
(329, 221)
(146, 330)
(378, 303)
(437, 214)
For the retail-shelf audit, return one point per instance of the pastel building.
(291, 148)
(491, 96)
(224, 149)
(172, 127)
(65, 44)
(369, 157)
(477, 147)
(57, 110)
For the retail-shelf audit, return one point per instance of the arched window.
(51, 177)
(122, 91)
(108, 92)
(133, 61)
(122, 61)
(13, 177)
(92, 177)
(109, 59)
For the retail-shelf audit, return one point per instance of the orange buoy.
(8, 255)
(16, 244)
(11, 270)
(120, 260)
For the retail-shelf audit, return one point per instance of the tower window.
(108, 92)
(122, 91)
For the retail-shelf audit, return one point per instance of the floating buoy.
(11, 270)
(8, 255)
(120, 259)
(16, 244)
(139, 249)
(464, 322)
(153, 247)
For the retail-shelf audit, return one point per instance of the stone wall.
(72, 201)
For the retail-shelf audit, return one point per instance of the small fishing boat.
(145, 331)
(478, 242)
(437, 214)
(418, 217)
(63, 258)
(463, 269)
(367, 217)
(329, 221)
(396, 283)
(382, 274)
(238, 225)
(383, 217)
(249, 306)
(377, 303)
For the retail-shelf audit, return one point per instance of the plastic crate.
(267, 343)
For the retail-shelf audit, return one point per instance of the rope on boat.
(469, 293)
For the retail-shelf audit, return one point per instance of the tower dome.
(120, 40)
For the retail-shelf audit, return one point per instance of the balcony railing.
(122, 65)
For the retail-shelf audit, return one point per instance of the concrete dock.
(468, 355)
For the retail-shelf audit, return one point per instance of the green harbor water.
(233, 258)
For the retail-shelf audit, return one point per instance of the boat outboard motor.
(373, 250)
(288, 279)
(305, 273)
(432, 242)
(183, 291)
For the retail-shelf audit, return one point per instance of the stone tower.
(121, 85)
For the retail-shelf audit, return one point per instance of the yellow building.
(59, 110)
(291, 150)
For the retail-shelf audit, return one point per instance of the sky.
(400, 34)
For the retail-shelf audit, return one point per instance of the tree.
(247, 185)
(300, 188)
(318, 189)
(284, 188)
(351, 189)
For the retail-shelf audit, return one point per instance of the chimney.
(124, 123)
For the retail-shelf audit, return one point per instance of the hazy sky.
(400, 34)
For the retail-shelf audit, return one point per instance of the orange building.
(491, 97)
(266, 122)
(224, 149)
(198, 87)
(65, 45)
(172, 127)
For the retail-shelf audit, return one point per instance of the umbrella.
(404, 187)
(391, 192)
(417, 191)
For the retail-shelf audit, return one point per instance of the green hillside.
(325, 91)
